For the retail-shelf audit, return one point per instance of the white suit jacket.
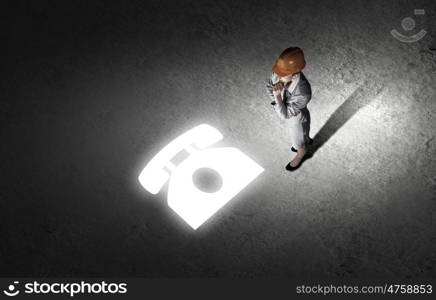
(295, 97)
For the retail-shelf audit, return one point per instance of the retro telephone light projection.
(195, 206)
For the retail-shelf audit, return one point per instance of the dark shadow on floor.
(362, 96)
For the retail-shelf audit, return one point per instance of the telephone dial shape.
(192, 204)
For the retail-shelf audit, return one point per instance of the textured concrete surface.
(91, 90)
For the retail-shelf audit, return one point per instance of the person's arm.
(279, 106)
(270, 90)
(292, 105)
(296, 102)
(274, 92)
(300, 97)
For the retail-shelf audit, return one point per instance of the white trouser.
(300, 127)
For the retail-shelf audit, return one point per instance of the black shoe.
(309, 143)
(290, 168)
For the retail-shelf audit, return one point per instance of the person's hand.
(277, 88)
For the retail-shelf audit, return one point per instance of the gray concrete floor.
(93, 90)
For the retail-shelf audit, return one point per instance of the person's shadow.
(362, 96)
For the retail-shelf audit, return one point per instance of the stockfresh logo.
(12, 290)
(66, 288)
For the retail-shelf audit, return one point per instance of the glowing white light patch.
(236, 169)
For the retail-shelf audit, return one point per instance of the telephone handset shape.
(153, 176)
